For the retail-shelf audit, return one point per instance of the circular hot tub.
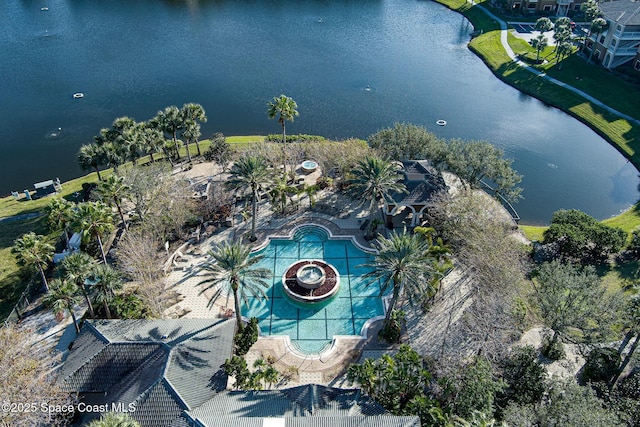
(309, 166)
(310, 281)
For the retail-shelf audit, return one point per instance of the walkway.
(505, 44)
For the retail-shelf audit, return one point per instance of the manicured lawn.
(533, 232)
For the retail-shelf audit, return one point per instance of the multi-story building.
(620, 42)
(546, 7)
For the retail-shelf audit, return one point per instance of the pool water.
(312, 327)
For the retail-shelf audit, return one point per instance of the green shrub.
(246, 337)
(601, 366)
(392, 330)
(294, 138)
(552, 348)
(129, 306)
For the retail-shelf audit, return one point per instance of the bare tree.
(27, 382)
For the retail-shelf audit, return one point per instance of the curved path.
(512, 55)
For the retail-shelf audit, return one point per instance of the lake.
(353, 67)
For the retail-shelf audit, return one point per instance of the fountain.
(310, 281)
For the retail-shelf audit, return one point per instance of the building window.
(531, 5)
(576, 7)
(547, 7)
(601, 41)
(637, 65)
(598, 53)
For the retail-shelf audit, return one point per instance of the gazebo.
(422, 181)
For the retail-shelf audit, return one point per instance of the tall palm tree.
(62, 296)
(597, 26)
(563, 51)
(94, 219)
(250, 173)
(124, 135)
(194, 112)
(91, 156)
(150, 138)
(60, 216)
(404, 265)
(170, 121)
(231, 270)
(280, 192)
(376, 180)
(190, 133)
(33, 250)
(113, 191)
(77, 268)
(285, 108)
(107, 281)
(538, 43)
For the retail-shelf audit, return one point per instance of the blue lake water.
(136, 57)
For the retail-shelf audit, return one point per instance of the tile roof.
(422, 181)
(377, 421)
(625, 12)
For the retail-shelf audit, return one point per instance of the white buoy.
(441, 122)
(78, 95)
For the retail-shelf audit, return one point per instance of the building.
(620, 42)
(422, 181)
(168, 373)
(545, 7)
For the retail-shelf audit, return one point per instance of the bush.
(524, 375)
(552, 348)
(294, 138)
(634, 245)
(129, 306)
(246, 337)
(392, 330)
(601, 366)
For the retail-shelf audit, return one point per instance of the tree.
(561, 30)
(376, 180)
(26, 376)
(250, 173)
(193, 113)
(562, 51)
(219, 152)
(113, 191)
(525, 377)
(232, 270)
(473, 161)
(400, 383)
(94, 219)
(581, 238)
(91, 156)
(591, 11)
(107, 281)
(285, 108)
(597, 26)
(539, 43)
(473, 389)
(170, 120)
(62, 296)
(405, 141)
(566, 404)
(543, 25)
(279, 193)
(570, 297)
(33, 250)
(60, 216)
(191, 133)
(77, 268)
(113, 419)
(150, 138)
(404, 266)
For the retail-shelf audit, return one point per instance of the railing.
(20, 308)
(621, 51)
(508, 206)
(629, 35)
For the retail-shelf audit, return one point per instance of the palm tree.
(232, 271)
(538, 43)
(286, 109)
(404, 265)
(191, 132)
(376, 180)
(77, 268)
(91, 156)
(279, 193)
(598, 25)
(107, 281)
(33, 250)
(250, 173)
(543, 24)
(124, 136)
(170, 121)
(113, 419)
(150, 138)
(194, 112)
(563, 51)
(60, 216)
(113, 191)
(94, 219)
(62, 296)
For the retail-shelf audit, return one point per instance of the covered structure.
(422, 181)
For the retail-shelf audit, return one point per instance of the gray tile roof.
(422, 182)
(625, 12)
(377, 421)
(303, 401)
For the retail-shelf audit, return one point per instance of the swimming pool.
(311, 327)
